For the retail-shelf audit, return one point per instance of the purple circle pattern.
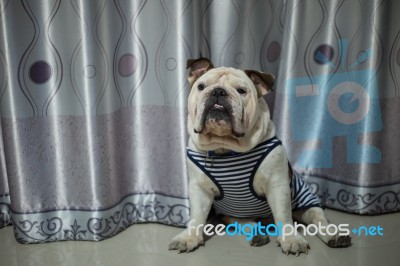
(362, 57)
(171, 64)
(127, 65)
(324, 54)
(239, 58)
(274, 52)
(40, 72)
(89, 71)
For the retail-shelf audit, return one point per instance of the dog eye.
(201, 87)
(241, 91)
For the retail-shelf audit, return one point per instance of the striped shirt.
(234, 174)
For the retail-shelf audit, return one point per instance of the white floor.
(147, 244)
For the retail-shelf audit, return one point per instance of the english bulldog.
(237, 164)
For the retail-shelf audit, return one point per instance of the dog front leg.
(315, 215)
(278, 197)
(201, 200)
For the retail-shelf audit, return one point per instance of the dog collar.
(211, 154)
(271, 141)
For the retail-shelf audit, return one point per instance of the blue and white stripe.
(234, 174)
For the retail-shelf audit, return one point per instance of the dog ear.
(197, 68)
(262, 81)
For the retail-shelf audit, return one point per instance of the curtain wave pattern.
(93, 104)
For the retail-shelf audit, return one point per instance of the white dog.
(236, 163)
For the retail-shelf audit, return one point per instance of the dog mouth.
(219, 114)
(217, 118)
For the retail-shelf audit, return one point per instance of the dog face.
(224, 101)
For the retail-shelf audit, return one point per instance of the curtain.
(338, 101)
(93, 104)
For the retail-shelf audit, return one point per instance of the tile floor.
(147, 244)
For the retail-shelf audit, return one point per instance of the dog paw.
(339, 241)
(259, 240)
(295, 244)
(185, 242)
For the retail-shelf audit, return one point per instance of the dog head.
(223, 101)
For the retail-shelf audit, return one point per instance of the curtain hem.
(5, 210)
(356, 199)
(98, 225)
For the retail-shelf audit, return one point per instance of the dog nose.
(219, 92)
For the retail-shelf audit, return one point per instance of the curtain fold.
(93, 104)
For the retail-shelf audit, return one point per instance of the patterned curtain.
(337, 97)
(93, 104)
